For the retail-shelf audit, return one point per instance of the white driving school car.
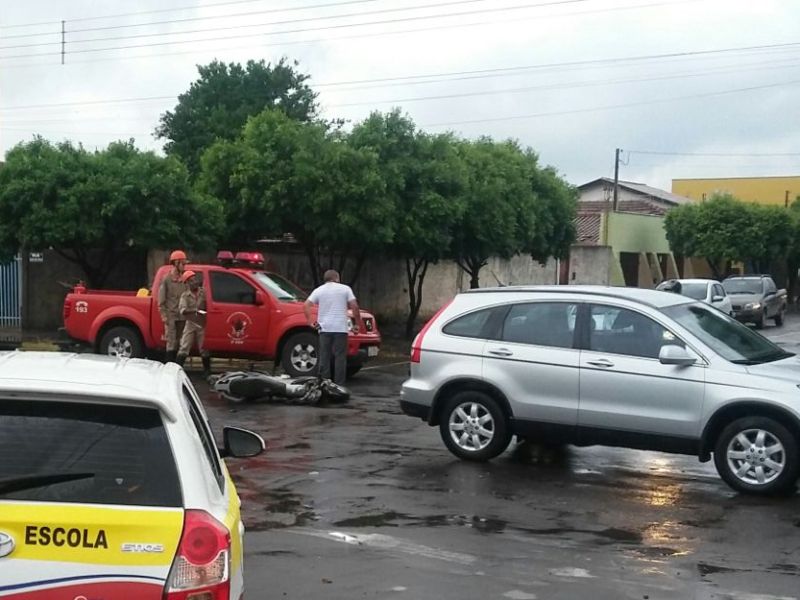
(111, 484)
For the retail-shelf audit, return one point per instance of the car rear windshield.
(694, 290)
(101, 454)
(742, 286)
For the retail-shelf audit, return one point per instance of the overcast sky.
(742, 100)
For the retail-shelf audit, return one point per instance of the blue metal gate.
(10, 296)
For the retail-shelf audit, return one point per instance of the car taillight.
(67, 308)
(416, 345)
(201, 569)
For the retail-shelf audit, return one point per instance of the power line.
(614, 106)
(291, 21)
(443, 76)
(88, 102)
(568, 85)
(772, 64)
(186, 20)
(555, 86)
(587, 63)
(58, 131)
(161, 11)
(263, 12)
(722, 154)
(449, 26)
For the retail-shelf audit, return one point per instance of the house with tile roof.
(626, 244)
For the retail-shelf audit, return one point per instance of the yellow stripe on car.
(93, 534)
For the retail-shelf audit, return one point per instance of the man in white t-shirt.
(333, 300)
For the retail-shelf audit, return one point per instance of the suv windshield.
(694, 290)
(71, 452)
(742, 286)
(282, 289)
(726, 336)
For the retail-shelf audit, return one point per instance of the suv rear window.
(479, 324)
(117, 454)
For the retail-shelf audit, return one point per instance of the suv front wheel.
(757, 455)
(473, 426)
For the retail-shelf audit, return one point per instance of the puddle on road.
(488, 525)
(707, 569)
(279, 509)
(380, 520)
(298, 446)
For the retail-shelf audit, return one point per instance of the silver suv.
(611, 366)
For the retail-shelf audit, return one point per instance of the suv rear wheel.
(757, 455)
(473, 426)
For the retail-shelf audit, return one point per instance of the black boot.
(171, 354)
(181, 359)
(206, 367)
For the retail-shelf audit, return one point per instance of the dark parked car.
(756, 298)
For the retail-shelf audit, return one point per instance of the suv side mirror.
(241, 443)
(717, 298)
(672, 354)
(259, 300)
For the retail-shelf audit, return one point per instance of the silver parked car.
(612, 366)
(709, 291)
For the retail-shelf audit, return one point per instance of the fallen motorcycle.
(253, 386)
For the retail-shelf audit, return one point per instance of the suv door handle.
(501, 352)
(603, 363)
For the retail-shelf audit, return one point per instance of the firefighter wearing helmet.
(193, 308)
(169, 297)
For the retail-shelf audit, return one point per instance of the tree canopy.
(725, 229)
(218, 104)
(423, 180)
(94, 207)
(511, 206)
(284, 176)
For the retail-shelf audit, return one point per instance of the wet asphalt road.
(360, 501)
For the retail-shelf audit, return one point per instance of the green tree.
(423, 178)
(793, 257)
(284, 176)
(511, 207)
(725, 229)
(95, 207)
(218, 104)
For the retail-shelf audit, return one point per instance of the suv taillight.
(201, 569)
(416, 345)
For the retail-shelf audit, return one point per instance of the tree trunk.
(474, 281)
(359, 265)
(416, 269)
(96, 274)
(791, 275)
(313, 263)
(472, 266)
(712, 264)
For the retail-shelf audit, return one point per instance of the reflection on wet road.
(360, 501)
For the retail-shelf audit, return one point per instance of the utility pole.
(63, 41)
(616, 179)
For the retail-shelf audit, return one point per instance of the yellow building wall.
(763, 190)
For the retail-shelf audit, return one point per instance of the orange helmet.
(187, 275)
(177, 255)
